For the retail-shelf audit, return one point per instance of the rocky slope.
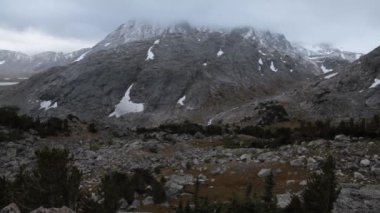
(329, 58)
(221, 170)
(353, 92)
(17, 64)
(144, 74)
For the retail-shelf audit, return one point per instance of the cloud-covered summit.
(65, 25)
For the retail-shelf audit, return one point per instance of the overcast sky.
(63, 25)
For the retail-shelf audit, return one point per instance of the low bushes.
(10, 118)
(53, 183)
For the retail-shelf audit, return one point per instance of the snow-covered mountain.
(143, 74)
(17, 64)
(327, 57)
(149, 74)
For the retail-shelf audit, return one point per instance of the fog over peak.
(65, 25)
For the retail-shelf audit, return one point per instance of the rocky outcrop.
(350, 93)
(354, 198)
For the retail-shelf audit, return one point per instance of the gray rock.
(176, 183)
(283, 199)
(11, 208)
(357, 198)
(296, 162)
(342, 138)
(265, 156)
(290, 182)
(376, 169)
(312, 164)
(358, 175)
(135, 204)
(218, 170)
(365, 162)
(303, 183)
(317, 142)
(245, 157)
(202, 178)
(195, 161)
(148, 201)
(264, 172)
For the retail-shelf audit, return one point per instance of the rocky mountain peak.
(137, 30)
(327, 50)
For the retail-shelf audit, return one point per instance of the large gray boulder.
(358, 199)
(176, 182)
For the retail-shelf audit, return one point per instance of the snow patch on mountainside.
(262, 53)
(325, 70)
(330, 76)
(8, 83)
(150, 54)
(220, 53)
(375, 83)
(46, 105)
(261, 61)
(249, 34)
(181, 100)
(342, 56)
(272, 67)
(81, 56)
(2, 62)
(126, 105)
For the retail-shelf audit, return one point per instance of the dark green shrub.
(53, 183)
(295, 205)
(158, 192)
(114, 187)
(321, 191)
(213, 130)
(88, 205)
(4, 192)
(92, 128)
(268, 197)
(57, 178)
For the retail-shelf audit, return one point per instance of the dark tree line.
(276, 136)
(10, 117)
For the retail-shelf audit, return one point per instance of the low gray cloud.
(351, 24)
